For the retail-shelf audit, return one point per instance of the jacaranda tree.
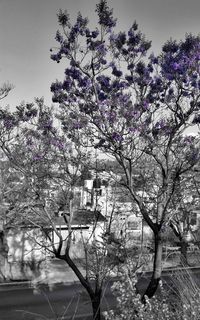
(134, 106)
(48, 169)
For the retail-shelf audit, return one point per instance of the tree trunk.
(157, 267)
(95, 296)
(3, 256)
(183, 258)
(96, 305)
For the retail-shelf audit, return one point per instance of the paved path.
(59, 302)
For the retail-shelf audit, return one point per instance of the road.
(18, 302)
(23, 303)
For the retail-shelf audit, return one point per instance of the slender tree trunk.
(3, 256)
(184, 245)
(95, 295)
(157, 267)
(96, 306)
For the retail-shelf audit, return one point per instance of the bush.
(181, 305)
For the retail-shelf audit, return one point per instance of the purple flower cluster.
(91, 34)
(112, 83)
(59, 37)
(105, 15)
(104, 81)
(58, 143)
(29, 142)
(117, 137)
(38, 157)
(119, 40)
(56, 57)
(74, 73)
(117, 73)
(78, 29)
(63, 18)
(178, 60)
(196, 119)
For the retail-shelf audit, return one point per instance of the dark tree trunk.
(157, 267)
(95, 295)
(184, 245)
(3, 255)
(96, 305)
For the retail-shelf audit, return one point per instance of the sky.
(28, 28)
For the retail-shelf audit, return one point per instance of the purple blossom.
(150, 67)
(170, 47)
(111, 116)
(59, 37)
(104, 81)
(133, 130)
(145, 105)
(124, 99)
(160, 124)
(74, 73)
(171, 91)
(85, 83)
(140, 68)
(88, 33)
(56, 57)
(103, 61)
(8, 124)
(29, 142)
(67, 83)
(102, 96)
(194, 84)
(120, 40)
(116, 72)
(130, 66)
(95, 34)
(65, 48)
(105, 15)
(189, 140)
(101, 48)
(48, 124)
(38, 157)
(196, 119)
(129, 79)
(185, 93)
(118, 85)
(176, 66)
(153, 59)
(56, 86)
(117, 137)
(57, 143)
(63, 18)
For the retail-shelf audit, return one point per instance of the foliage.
(133, 106)
(167, 305)
(5, 89)
(130, 305)
(135, 114)
(49, 167)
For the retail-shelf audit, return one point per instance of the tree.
(183, 221)
(6, 218)
(51, 167)
(132, 106)
(5, 89)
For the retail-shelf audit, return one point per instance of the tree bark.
(157, 267)
(184, 245)
(95, 295)
(3, 255)
(96, 305)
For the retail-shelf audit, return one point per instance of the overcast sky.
(28, 27)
